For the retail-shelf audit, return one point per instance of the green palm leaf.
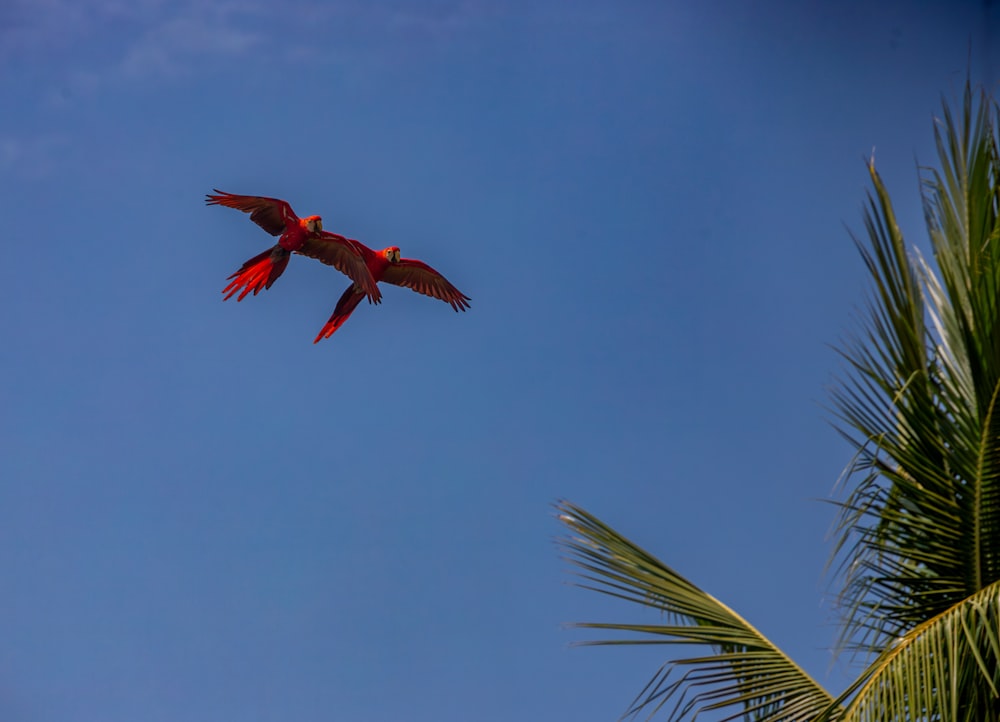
(918, 535)
(746, 673)
(946, 669)
(920, 531)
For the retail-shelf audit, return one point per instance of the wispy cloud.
(30, 157)
(58, 54)
(177, 44)
(82, 46)
(111, 40)
(38, 27)
(364, 34)
(143, 38)
(435, 20)
(337, 22)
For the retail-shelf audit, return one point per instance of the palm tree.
(918, 536)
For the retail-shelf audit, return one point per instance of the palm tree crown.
(918, 541)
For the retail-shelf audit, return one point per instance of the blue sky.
(203, 516)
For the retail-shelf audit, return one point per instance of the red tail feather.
(258, 273)
(345, 307)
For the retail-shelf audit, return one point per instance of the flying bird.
(386, 265)
(277, 218)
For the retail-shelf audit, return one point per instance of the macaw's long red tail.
(258, 273)
(345, 307)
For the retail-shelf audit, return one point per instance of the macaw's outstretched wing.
(272, 214)
(417, 275)
(346, 256)
(345, 307)
(260, 272)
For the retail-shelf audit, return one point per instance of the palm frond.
(920, 530)
(946, 669)
(918, 535)
(746, 674)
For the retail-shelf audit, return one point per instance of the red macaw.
(386, 265)
(277, 218)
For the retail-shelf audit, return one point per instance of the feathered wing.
(271, 214)
(420, 277)
(346, 256)
(260, 272)
(345, 307)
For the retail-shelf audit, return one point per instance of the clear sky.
(203, 516)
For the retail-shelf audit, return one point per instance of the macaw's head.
(314, 224)
(391, 254)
